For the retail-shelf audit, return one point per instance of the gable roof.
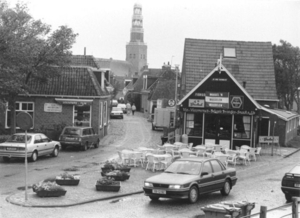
(73, 81)
(282, 114)
(229, 74)
(83, 60)
(253, 64)
(163, 89)
(153, 75)
(117, 67)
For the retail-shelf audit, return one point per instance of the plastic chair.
(257, 152)
(237, 148)
(166, 162)
(201, 152)
(152, 161)
(125, 158)
(223, 159)
(232, 157)
(252, 153)
(137, 158)
(244, 156)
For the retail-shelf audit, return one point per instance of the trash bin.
(164, 139)
(177, 138)
(245, 206)
(220, 210)
(185, 139)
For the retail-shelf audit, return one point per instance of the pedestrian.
(133, 108)
(128, 107)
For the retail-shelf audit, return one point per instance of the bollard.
(295, 201)
(263, 212)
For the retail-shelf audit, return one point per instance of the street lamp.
(176, 86)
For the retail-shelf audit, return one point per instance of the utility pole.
(176, 86)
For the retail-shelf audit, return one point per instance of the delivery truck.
(163, 117)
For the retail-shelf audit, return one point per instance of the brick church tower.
(136, 49)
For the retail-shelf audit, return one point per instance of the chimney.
(84, 53)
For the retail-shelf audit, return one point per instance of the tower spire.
(137, 31)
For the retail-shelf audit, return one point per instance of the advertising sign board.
(217, 100)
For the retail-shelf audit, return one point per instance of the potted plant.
(117, 175)
(108, 166)
(67, 179)
(48, 189)
(123, 167)
(108, 184)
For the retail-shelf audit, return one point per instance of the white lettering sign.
(268, 139)
(52, 107)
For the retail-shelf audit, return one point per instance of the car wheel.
(34, 156)
(85, 147)
(226, 188)
(6, 159)
(55, 152)
(97, 144)
(193, 194)
(154, 198)
(288, 198)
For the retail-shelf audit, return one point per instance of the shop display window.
(82, 115)
(242, 126)
(194, 124)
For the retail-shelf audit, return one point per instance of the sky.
(104, 26)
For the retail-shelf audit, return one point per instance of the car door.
(39, 145)
(86, 135)
(218, 174)
(48, 146)
(206, 182)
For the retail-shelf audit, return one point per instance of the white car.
(123, 106)
(116, 112)
(38, 144)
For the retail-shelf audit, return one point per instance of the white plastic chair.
(223, 159)
(166, 162)
(252, 153)
(257, 151)
(137, 158)
(232, 157)
(244, 156)
(152, 161)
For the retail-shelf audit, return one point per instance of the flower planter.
(109, 188)
(61, 181)
(56, 193)
(119, 178)
(106, 170)
(125, 169)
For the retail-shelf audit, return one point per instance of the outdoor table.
(144, 149)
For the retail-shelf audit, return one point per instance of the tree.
(287, 73)
(29, 52)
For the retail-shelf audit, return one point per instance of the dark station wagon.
(79, 136)
(186, 178)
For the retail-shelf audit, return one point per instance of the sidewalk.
(86, 192)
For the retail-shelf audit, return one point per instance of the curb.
(287, 155)
(70, 205)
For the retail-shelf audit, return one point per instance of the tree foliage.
(287, 73)
(29, 51)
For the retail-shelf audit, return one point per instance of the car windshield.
(116, 109)
(184, 167)
(121, 106)
(19, 139)
(72, 131)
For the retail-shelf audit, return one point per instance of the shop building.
(228, 94)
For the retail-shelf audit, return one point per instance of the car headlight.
(174, 186)
(148, 184)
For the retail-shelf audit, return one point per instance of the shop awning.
(79, 102)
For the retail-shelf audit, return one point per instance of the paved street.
(261, 184)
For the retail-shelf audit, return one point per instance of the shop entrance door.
(218, 129)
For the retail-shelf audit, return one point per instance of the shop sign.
(52, 107)
(217, 99)
(77, 102)
(219, 111)
(237, 102)
(196, 103)
(171, 102)
(268, 139)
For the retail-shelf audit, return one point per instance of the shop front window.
(82, 115)
(194, 124)
(242, 126)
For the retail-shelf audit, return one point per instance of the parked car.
(79, 136)
(38, 144)
(114, 103)
(123, 106)
(290, 184)
(187, 177)
(116, 112)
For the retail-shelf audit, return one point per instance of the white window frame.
(105, 109)
(20, 110)
(100, 114)
(90, 121)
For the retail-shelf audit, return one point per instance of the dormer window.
(229, 53)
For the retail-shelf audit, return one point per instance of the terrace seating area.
(160, 157)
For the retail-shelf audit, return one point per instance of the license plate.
(11, 149)
(297, 185)
(156, 191)
(71, 139)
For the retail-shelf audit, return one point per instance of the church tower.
(136, 49)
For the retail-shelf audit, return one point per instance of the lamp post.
(176, 86)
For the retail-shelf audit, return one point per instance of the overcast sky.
(104, 25)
